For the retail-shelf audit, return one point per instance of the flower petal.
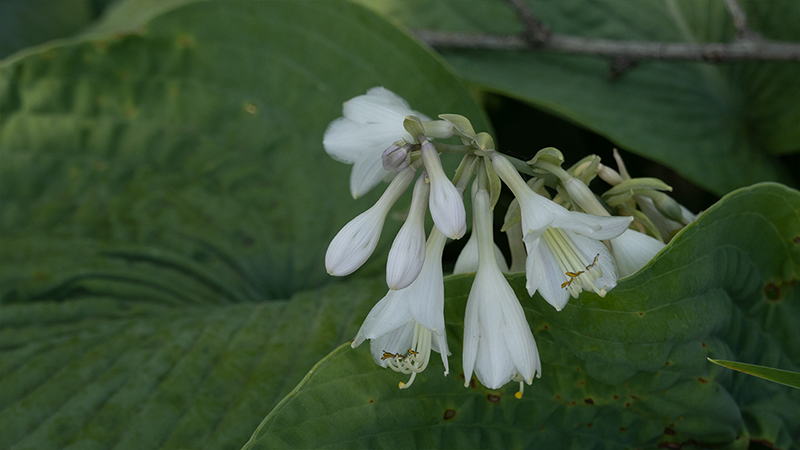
(517, 333)
(367, 172)
(590, 248)
(390, 313)
(398, 340)
(426, 296)
(472, 333)
(632, 250)
(543, 264)
(379, 105)
(596, 227)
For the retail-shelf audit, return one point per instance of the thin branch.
(739, 17)
(536, 32)
(740, 50)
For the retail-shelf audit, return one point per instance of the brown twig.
(739, 17)
(740, 50)
(623, 55)
(536, 32)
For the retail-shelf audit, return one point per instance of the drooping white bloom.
(632, 250)
(498, 343)
(467, 261)
(356, 241)
(369, 125)
(572, 257)
(407, 324)
(446, 204)
(408, 249)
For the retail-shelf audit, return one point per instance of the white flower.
(356, 241)
(371, 123)
(446, 204)
(566, 264)
(498, 343)
(632, 250)
(467, 261)
(407, 324)
(408, 249)
(572, 258)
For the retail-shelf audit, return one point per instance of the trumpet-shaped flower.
(408, 249)
(407, 324)
(446, 204)
(370, 124)
(356, 241)
(572, 257)
(632, 250)
(498, 343)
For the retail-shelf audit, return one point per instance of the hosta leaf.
(625, 371)
(198, 129)
(129, 353)
(717, 125)
(166, 205)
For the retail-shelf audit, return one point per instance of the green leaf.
(786, 377)
(717, 125)
(625, 371)
(195, 128)
(24, 23)
(166, 208)
(148, 360)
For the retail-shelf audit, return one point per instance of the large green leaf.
(162, 178)
(136, 354)
(625, 371)
(201, 128)
(717, 125)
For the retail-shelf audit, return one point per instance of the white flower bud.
(441, 129)
(408, 249)
(397, 156)
(356, 241)
(446, 204)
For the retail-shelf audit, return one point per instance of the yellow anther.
(518, 394)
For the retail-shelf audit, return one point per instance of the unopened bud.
(397, 157)
(609, 175)
(441, 129)
(668, 207)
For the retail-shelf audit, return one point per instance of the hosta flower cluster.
(566, 244)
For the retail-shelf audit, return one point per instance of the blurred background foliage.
(165, 205)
